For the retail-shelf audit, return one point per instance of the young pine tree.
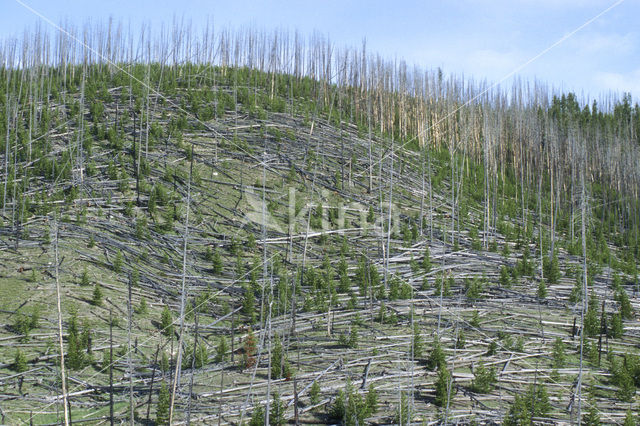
(475, 319)
(19, 362)
(625, 305)
(314, 393)
(426, 260)
(628, 419)
(558, 353)
(444, 387)
(276, 415)
(402, 411)
(142, 308)
(418, 345)
(592, 416)
(257, 417)
(617, 329)
(221, 350)
(576, 290)
(164, 362)
(248, 305)
(117, 262)
(279, 364)
(216, 262)
(249, 351)
(551, 268)
(505, 279)
(84, 278)
(542, 290)
(484, 379)
(96, 299)
(164, 399)
(75, 354)
(526, 406)
(195, 356)
(166, 322)
(353, 337)
(592, 317)
(436, 356)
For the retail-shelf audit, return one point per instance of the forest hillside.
(249, 228)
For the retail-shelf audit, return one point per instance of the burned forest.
(254, 227)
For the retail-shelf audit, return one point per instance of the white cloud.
(552, 5)
(498, 62)
(619, 82)
(599, 43)
(564, 4)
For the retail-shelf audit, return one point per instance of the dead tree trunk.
(59, 307)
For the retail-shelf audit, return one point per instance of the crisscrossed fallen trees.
(334, 319)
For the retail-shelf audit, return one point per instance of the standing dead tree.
(63, 376)
(183, 296)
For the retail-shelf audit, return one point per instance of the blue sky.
(482, 39)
